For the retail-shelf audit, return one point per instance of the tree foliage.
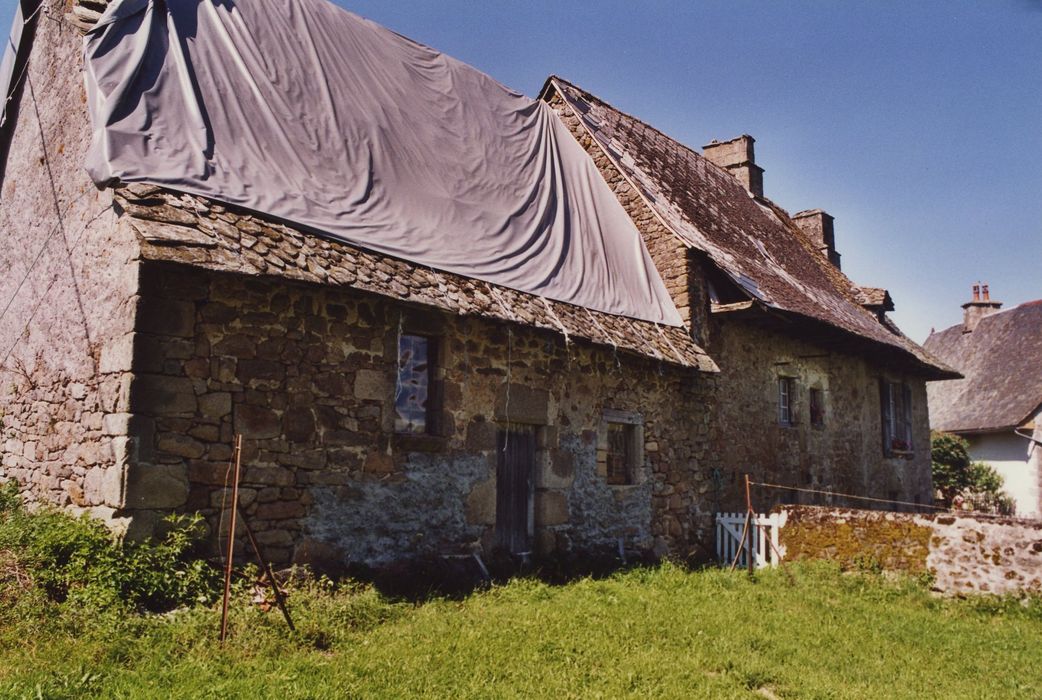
(950, 464)
(955, 474)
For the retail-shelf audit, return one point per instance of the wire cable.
(845, 495)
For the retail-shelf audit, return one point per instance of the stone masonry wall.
(844, 455)
(66, 295)
(307, 374)
(964, 552)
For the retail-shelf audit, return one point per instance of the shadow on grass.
(419, 579)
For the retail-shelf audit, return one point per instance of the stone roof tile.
(195, 231)
(749, 238)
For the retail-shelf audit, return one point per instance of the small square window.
(412, 394)
(786, 386)
(817, 407)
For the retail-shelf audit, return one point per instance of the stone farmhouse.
(997, 407)
(391, 408)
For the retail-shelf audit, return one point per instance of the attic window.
(895, 402)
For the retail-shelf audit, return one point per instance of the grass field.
(664, 632)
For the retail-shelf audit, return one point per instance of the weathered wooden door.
(515, 445)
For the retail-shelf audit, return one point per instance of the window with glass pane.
(785, 385)
(413, 387)
(896, 405)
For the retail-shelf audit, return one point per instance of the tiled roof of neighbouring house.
(750, 239)
(195, 231)
(1001, 360)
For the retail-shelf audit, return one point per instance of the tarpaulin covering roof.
(309, 114)
(750, 239)
(1002, 362)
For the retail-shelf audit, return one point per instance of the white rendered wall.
(1018, 461)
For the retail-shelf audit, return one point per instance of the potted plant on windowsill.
(901, 448)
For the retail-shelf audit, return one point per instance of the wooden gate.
(515, 486)
(729, 527)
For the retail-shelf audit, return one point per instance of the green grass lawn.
(662, 632)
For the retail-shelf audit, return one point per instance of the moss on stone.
(856, 539)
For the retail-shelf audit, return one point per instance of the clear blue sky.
(917, 125)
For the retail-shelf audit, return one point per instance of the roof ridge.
(830, 270)
(812, 281)
(587, 93)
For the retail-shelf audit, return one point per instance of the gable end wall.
(70, 284)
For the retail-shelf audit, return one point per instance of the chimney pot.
(981, 306)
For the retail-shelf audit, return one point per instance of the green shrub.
(78, 559)
(954, 474)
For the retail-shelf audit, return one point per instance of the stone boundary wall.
(964, 552)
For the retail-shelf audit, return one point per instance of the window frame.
(816, 408)
(632, 427)
(895, 400)
(786, 392)
(432, 402)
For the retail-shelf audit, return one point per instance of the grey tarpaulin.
(305, 112)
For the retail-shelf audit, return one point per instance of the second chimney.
(818, 225)
(737, 157)
(977, 308)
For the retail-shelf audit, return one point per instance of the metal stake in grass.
(750, 518)
(231, 540)
(279, 598)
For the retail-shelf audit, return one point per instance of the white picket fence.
(765, 528)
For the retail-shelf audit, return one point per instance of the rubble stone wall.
(306, 373)
(67, 294)
(963, 552)
(844, 454)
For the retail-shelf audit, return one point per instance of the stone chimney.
(977, 308)
(736, 157)
(818, 225)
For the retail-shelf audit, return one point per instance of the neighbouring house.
(997, 407)
(440, 323)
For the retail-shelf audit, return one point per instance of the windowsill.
(419, 442)
(901, 454)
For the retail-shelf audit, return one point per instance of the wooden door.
(515, 446)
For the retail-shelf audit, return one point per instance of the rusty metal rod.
(741, 542)
(231, 540)
(751, 550)
(279, 600)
